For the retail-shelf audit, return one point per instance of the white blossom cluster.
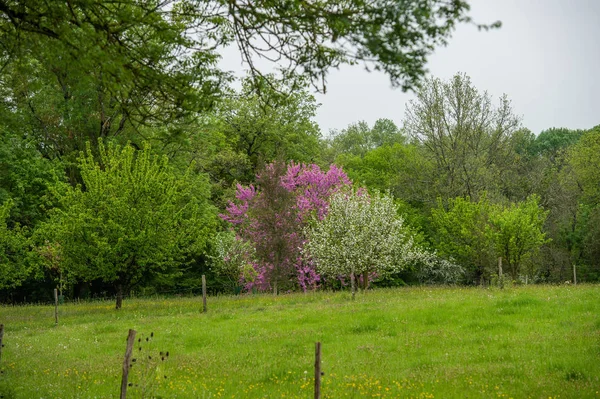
(232, 256)
(362, 233)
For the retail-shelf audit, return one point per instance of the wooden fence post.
(1, 338)
(127, 363)
(203, 294)
(318, 370)
(55, 307)
(574, 274)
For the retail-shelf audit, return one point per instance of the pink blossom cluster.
(272, 217)
(313, 187)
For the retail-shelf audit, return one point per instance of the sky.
(545, 58)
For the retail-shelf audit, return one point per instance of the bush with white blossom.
(363, 234)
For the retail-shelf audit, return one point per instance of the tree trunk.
(365, 280)
(352, 284)
(275, 287)
(119, 296)
(60, 284)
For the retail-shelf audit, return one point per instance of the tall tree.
(465, 136)
(560, 194)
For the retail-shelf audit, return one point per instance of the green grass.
(535, 341)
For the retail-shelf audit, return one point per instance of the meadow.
(421, 342)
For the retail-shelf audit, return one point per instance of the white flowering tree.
(361, 234)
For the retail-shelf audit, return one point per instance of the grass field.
(535, 341)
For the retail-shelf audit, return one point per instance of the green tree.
(475, 234)
(14, 249)
(585, 161)
(399, 168)
(242, 133)
(135, 219)
(551, 143)
(560, 193)
(380, 158)
(359, 138)
(463, 232)
(263, 128)
(24, 178)
(517, 233)
(467, 138)
(582, 172)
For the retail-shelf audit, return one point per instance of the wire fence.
(213, 290)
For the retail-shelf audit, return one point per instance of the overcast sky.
(546, 58)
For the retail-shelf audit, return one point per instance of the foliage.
(272, 216)
(586, 243)
(100, 69)
(398, 168)
(78, 71)
(518, 233)
(477, 233)
(157, 40)
(583, 164)
(14, 249)
(560, 193)
(260, 128)
(358, 138)
(464, 233)
(584, 158)
(552, 142)
(24, 178)
(136, 219)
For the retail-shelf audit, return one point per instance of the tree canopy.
(161, 41)
(465, 135)
(134, 220)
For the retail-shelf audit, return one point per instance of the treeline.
(128, 162)
(470, 184)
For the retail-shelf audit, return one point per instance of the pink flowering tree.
(272, 217)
